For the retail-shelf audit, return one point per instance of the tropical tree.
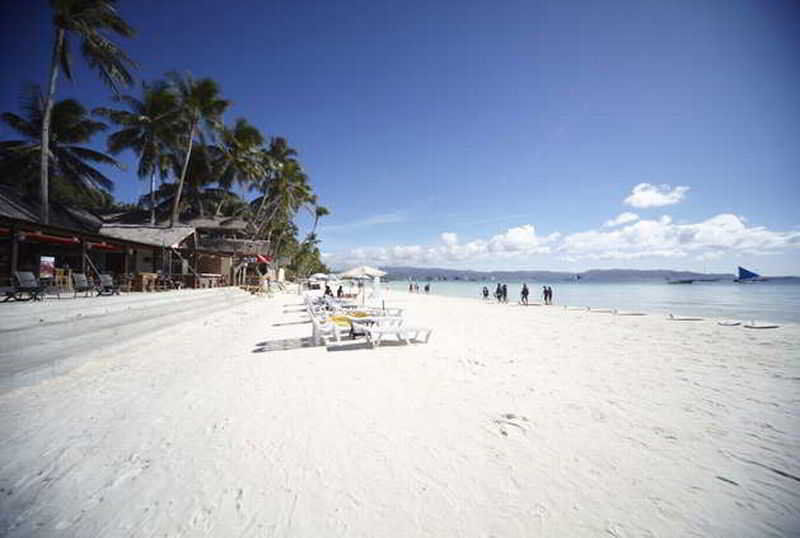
(286, 194)
(241, 157)
(274, 159)
(201, 108)
(197, 197)
(87, 21)
(149, 129)
(319, 212)
(74, 176)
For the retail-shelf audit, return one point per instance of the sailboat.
(746, 276)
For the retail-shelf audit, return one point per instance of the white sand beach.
(210, 413)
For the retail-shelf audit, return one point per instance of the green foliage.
(90, 21)
(70, 164)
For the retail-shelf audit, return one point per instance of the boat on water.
(746, 277)
(680, 281)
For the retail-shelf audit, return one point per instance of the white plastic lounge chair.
(391, 326)
(325, 330)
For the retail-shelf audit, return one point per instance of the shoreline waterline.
(772, 302)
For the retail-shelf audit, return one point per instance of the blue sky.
(498, 135)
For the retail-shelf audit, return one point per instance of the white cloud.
(449, 238)
(721, 235)
(622, 218)
(384, 218)
(662, 238)
(647, 195)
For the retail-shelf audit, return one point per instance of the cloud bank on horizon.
(624, 237)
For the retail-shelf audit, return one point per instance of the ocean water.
(774, 301)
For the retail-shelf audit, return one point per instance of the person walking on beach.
(498, 293)
(524, 293)
(544, 294)
(410, 287)
(339, 292)
(505, 293)
(549, 295)
(328, 291)
(427, 288)
(485, 293)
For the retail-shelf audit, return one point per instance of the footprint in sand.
(510, 419)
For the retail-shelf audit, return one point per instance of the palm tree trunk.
(48, 109)
(221, 202)
(177, 202)
(153, 198)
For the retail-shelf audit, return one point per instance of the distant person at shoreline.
(505, 293)
(524, 293)
(410, 287)
(544, 294)
(427, 288)
(485, 293)
(549, 295)
(498, 293)
(328, 291)
(339, 292)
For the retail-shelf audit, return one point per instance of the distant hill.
(594, 275)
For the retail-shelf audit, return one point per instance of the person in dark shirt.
(524, 293)
(505, 293)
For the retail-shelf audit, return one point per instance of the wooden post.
(14, 250)
(83, 255)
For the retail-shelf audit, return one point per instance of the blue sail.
(744, 274)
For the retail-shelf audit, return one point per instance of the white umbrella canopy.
(320, 276)
(363, 271)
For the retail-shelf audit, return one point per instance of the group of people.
(501, 293)
(329, 291)
(413, 287)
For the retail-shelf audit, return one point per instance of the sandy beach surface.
(210, 413)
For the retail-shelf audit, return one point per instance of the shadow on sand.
(302, 322)
(284, 344)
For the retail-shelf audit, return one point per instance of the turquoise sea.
(776, 301)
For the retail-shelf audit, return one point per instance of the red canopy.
(263, 259)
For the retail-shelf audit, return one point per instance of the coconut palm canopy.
(70, 161)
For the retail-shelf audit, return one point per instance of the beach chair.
(9, 292)
(80, 284)
(107, 286)
(391, 326)
(27, 283)
(325, 330)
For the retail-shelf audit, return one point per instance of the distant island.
(593, 275)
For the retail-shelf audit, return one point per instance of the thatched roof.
(18, 206)
(152, 235)
(218, 223)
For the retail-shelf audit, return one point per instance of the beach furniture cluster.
(26, 287)
(336, 320)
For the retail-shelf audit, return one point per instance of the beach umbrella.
(363, 271)
(320, 276)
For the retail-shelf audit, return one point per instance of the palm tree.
(70, 126)
(319, 212)
(85, 20)
(278, 155)
(285, 194)
(240, 157)
(149, 129)
(201, 109)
